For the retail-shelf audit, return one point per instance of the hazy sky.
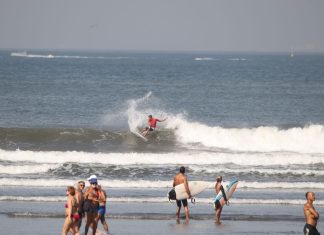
(211, 25)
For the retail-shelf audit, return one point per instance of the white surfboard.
(139, 135)
(229, 190)
(195, 188)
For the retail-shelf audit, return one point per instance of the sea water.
(256, 117)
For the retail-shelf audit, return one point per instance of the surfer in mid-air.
(151, 124)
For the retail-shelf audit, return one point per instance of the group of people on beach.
(85, 203)
(181, 178)
(90, 204)
(311, 215)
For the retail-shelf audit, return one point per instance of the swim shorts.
(310, 230)
(150, 128)
(102, 210)
(93, 208)
(184, 203)
(217, 204)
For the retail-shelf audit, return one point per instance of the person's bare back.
(179, 179)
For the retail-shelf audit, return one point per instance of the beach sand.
(47, 226)
(35, 218)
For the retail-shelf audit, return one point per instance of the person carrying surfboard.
(181, 178)
(218, 207)
(311, 215)
(151, 124)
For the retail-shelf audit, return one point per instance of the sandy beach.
(49, 226)
(158, 218)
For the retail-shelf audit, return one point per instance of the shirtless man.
(79, 196)
(92, 195)
(311, 215)
(218, 207)
(102, 209)
(181, 178)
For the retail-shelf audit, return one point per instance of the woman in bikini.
(71, 213)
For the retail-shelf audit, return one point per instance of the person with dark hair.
(218, 207)
(311, 215)
(151, 124)
(181, 178)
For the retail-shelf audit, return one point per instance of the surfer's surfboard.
(195, 187)
(140, 135)
(229, 190)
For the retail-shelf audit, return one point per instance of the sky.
(164, 25)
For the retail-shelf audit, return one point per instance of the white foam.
(24, 54)
(50, 56)
(35, 199)
(43, 182)
(255, 170)
(308, 139)
(151, 159)
(204, 59)
(26, 169)
(135, 117)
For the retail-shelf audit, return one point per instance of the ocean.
(68, 114)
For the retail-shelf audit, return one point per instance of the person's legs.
(88, 222)
(145, 131)
(66, 226)
(218, 214)
(75, 228)
(186, 209)
(178, 209)
(104, 223)
(187, 213)
(94, 224)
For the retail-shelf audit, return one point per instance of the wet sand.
(35, 218)
(44, 226)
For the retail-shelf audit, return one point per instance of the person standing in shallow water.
(181, 178)
(218, 207)
(311, 215)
